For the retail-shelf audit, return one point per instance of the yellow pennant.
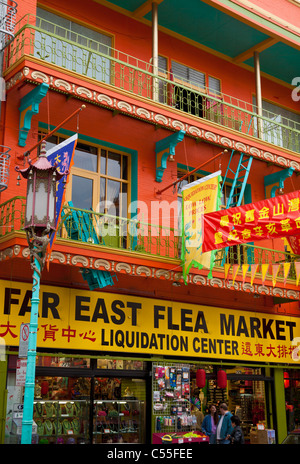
(286, 270)
(244, 271)
(264, 270)
(275, 269)
(226, 270)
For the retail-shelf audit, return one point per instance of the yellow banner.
(86, 320)
(199, 197)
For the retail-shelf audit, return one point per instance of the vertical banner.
(62, 156)
(199, 197)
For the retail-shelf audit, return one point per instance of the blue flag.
(62, 155)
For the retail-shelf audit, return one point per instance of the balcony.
(136, 238)
(54, 45)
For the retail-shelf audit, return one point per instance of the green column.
(280, 404)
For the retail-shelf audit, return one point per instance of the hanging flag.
(245, 268)
(264, 270)
(235, 270)
(226, 270)
(62, 156)
(253, 272)
(267, 219)
(198, 197)
(286, 270)
(275, 270)
(297, 269)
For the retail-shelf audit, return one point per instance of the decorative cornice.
(198, 128)
(139, 270)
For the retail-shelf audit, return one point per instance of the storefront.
(116, 368)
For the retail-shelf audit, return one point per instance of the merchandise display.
(120, 421)
(171, 399)
(59, 421)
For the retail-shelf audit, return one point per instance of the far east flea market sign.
(86, 320)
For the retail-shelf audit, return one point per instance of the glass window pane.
(113, 197)
(114, 165)
(124, 201)
(102, 205)
(124, 168)
(82, 192)
(85, 157)
(103, 162)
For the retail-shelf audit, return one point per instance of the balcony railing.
(133, 236)
(69, 50)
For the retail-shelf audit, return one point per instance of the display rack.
(61, 421)
(171, 398)
(118, 421)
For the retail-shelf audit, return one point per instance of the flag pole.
(191, 172)
(54, 130)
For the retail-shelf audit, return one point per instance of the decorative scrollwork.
(38, 248)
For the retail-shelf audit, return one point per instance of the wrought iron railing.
(69, 50)
(7, 21)
(4, 167)
(134, 236)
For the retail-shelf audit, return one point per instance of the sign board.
(85, 320)
(24, 338)
(21, 372)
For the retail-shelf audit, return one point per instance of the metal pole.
(54, 130)
(258, 93)
(191, 172)
(27, 421)
(155, 49)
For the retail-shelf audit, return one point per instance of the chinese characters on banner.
(267, 219)
(199, 197)
(62, 155)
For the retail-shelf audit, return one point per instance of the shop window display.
(62, 410)
(292, 398)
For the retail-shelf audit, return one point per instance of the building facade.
(170, 90)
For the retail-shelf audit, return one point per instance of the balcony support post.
(258, 93)
(155, 49)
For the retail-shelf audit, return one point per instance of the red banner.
(266, 219)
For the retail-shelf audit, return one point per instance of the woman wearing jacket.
(209, 424)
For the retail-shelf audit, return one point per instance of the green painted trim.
(252, 16)
(133, 154)
(281, 425)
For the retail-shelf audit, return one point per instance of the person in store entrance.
(236, 437)
(209, 424)
(224, 427)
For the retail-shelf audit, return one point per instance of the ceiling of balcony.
(220, 33)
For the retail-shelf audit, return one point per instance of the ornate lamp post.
(39, 226)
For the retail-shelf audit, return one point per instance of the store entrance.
(93, 402)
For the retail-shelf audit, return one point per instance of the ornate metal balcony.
(7, 22)
(4, 167)
(68, 50)
(138, 237)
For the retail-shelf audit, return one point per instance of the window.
(72, 46)
(99, 178)
(184, 99)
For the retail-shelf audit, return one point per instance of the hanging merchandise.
(200, 378)
(222, 379)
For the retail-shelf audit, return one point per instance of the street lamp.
(39, 226)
